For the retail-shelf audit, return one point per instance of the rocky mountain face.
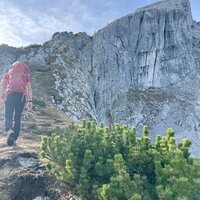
(140, 69)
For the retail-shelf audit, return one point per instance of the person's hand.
(29, 105)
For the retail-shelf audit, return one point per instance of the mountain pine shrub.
(117, 165)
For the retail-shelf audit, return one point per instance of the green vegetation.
(117, 165)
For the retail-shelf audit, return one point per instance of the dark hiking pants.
(14, 106)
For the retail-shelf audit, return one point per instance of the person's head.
(20, 66)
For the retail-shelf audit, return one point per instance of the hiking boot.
(11, 139)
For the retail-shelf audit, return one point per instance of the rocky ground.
(22, 173)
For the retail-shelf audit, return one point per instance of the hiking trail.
(22, 174)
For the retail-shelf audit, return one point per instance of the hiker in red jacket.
(15, 91)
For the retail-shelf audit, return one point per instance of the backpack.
(18, 79)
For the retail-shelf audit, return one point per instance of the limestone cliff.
(140, 69)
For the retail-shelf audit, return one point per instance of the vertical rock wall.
(149, 48)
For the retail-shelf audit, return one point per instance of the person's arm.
(3, 87)
(29, 96)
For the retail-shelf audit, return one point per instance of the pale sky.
(25, 22)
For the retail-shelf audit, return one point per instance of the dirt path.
(22, 175)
